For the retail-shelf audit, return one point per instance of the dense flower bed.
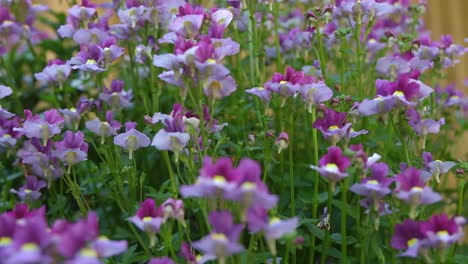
(230, 132)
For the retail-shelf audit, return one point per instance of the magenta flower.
(441, 231)
(408, 236)
(132, 139)
(282, 141)
(376, 186)
(72, 149)
(222, 241)
(334, 126)
(216, 179)
(411, 188)
(333, 165)
(149, 219)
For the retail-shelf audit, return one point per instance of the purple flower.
(315, 93)
(215, 179)
(222, 241)
(333, 165)
(187, 26)
(441, 231)
(282, 141)
(5, 91)
(163, 260)
(333, 125)
(273, 228)
(106, 128)
(411, 188)
(132, 139)
(72, 117)
(174, 209)
(217, 88)
(376, 186)
(31, 190)
(438, 167)
(261, 92)
(88, 59)
(149, 219)
(408, 236)
(72, 149)
(115, 96)
(56, 72)
(392, 66)
(42, 128)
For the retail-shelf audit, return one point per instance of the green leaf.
(345, 208)
(336, 238)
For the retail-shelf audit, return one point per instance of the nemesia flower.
(333, 125)
(411, 188)
(132, 139)
(273, 229)
(218, 88)
(222, 241)
(5, 91)
(441, 231)
(31, 190)
(392, 66)
(174, 209)
(106, 128)
(282, 141)
(56, 71)
(72, 117)
(187, 25)
(377, 185)
(72, 149)
(408, 236)
(315, 93)
(149, 219)
(115, 96)
(333, 165)
(42, 128)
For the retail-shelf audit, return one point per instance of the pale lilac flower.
(106, 128)
(187, 26)
(333, 125)
(72, 117)
(315, 93)
(56, 71)
(442, 232)
(215, 88)
(392, 66)
(132, 139)
(5, 91)
(282, 141)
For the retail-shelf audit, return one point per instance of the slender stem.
(279, 62)
(344, 255)
(251, 34)
(170, 170)
(326, 243)
(291, 165)
(316, 182)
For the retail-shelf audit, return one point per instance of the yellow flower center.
(378, 98)
(373, 182)
(27, 191)
(399, 94)
(5, 241)
(416, 189)
(283, 82)
(147, 218)
(29, 246)
(248, 186)
(443, 233)
(218, 179)
(219, 236)
(88, 252)
(274, 220)
(412, 241)
(333, 128)
(331, 166)
(211, 61)
(6, 135)
(91, 61)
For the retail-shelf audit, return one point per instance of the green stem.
(316, 183)
(326, 243)
(344, 256)
(171, 171)
(291, 165)
(279, 61)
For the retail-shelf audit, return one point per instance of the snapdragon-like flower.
(132, 139)
(408, 236)
(282, 141)
(412, 189)
(273, 228)
(72, 117)
(222, 241)
(72, 149)
(392, 66)
(436, 167)
(333, 165)
(104, 128)
(149, 219)
(115, 96)
(42, 127)
(376, 186)
(56, 71)
(334, 126)
(441, 231)
(315, 93)
(31, 190)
